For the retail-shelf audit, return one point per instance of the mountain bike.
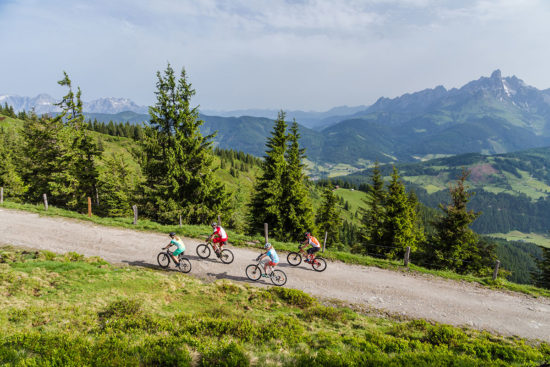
(225, 255)
(295, 259)
(255, 271)
(164, 258)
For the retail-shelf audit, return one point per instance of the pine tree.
(48, 160)
(328, 216)
(265, 205)
(400, 228)
(374, 217)
(178, 159)
(85, 150)
(296, 210)
(455, 245)
(10, 176)
(541, 278)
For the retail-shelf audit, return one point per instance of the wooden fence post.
(495, 272)
(180, 221)
(407, 254)
(89, 207)
(1, 195)
(265, 233)
(134, 207)
(325, 242)
(45, 201)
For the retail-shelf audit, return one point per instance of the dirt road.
(416, 296)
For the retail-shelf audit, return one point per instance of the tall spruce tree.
(296, 210)
(454, 245)
(541, 278)
(401, 229)
(373, 218)
(84, 148)
(265, 206)
(10, 176)
(48, 160)
(328, 216)
(178, 159)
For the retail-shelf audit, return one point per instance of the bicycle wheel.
(226, 256)
(203, 251)
(278, 277)
(319, 264)
(163, 260)
(253, 272)
(294, 258)
(185, 265)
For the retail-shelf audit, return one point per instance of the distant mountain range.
(490, 115)
(311, 119)
(44, 103)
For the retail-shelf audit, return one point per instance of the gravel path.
(415, 296)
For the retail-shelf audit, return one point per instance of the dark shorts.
(313, 250)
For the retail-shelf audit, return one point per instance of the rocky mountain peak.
(496, 74)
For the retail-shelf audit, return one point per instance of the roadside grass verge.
(241, 240)
(71, 310)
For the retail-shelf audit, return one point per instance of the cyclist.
(315, 246)
(273, 259)
(218, 236)
(176, 241)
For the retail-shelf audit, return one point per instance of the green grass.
(241, 240)
(71, 310)
(536, 238)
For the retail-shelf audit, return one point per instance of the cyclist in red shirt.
(218, 237)
(315, 246)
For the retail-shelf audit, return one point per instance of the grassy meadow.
(70, 310)
(536, 238)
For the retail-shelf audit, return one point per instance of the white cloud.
(310, 54)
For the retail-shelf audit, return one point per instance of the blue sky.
(309, 55)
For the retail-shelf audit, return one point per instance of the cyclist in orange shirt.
(315, 246)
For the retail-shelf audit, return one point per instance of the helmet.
(307, 234)
(267, 245)
(214, 224)
(172, 234)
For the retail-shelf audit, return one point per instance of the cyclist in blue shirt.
(273, 259)
(176, 241)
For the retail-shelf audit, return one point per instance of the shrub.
(326, 313)
(164, 351)
(121, 308)
(231, 356)
(73, 256)
(294, 297)
(444, 334)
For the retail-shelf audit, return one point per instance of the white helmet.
(267, 245)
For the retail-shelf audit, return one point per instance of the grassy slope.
(536, 238)
(59, 310)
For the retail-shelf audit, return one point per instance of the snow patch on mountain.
(44, 103)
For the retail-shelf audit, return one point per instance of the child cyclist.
(218, 237)
(315, 246)
(176, 241)
(273, 259)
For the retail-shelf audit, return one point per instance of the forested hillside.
(512, 189)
